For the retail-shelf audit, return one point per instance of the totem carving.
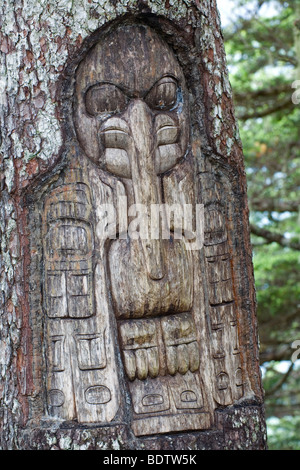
(75, 330)
(136, 313)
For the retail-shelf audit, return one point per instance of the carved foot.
(182, 350)
(159, 346)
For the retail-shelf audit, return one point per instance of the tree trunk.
(297, 38)
(87, 359)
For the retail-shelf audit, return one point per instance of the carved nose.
(146, 184)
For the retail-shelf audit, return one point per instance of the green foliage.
(282, 433)
(263, 53)
(277, 293)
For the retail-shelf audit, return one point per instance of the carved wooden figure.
(166, 310)
(128, 315)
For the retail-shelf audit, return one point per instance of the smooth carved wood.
(169, 311)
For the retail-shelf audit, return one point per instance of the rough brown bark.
(41, 45)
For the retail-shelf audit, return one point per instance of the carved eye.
(163, 95)
(105, 98)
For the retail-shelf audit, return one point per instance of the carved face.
(131, 99)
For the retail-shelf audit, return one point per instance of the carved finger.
(172, 363)
(194, 356)
(153, 362)
(183, 358)
(130, 364)
(141, 363)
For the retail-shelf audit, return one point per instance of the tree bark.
(41, 44)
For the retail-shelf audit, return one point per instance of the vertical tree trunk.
(41, 45)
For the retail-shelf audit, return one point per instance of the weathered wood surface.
(99, 331)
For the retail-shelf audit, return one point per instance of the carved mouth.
(113, 130)
(167, 134)
(114, 134)
(166, 126)
(115, 125)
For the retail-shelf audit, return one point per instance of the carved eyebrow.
(98, 84)
(129, 92)
(125, 90)
(166, 76)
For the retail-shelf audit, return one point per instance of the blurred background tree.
(262, 39)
